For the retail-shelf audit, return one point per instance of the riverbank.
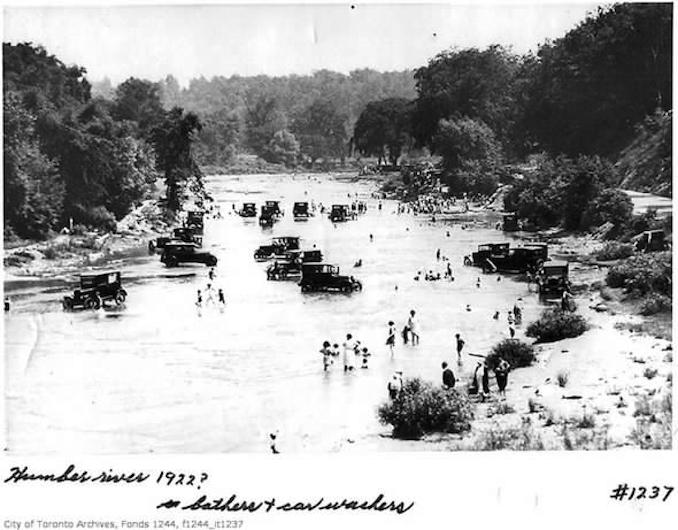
(66, 254)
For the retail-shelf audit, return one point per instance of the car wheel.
(90, 303)
(120, 297)
(151, 247)
(467, 261)
(67, 303)
(213, 262)
(171, 262)
(304, 288)
(358, 286)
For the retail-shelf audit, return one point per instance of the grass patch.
(422, 408)
(614, 250)
(513, 438)
(555, 324)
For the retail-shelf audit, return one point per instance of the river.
(154, 376)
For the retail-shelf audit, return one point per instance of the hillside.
(645, 164)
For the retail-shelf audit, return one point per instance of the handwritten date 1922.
(170, 478)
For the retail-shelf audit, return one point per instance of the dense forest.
(583, 115)
(71, 159)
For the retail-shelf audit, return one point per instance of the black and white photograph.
(337, 228)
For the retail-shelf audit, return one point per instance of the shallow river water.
(156, 376)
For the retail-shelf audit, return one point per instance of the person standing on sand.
(395, 385)
(448, 377)
(413, 326)
(390, 339)
(501, 373)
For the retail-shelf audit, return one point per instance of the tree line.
(70, 158)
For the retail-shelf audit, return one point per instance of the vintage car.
(267, 216)
(553, 278)
(289, 264)
(95, 290)
(510, 223)
(300, 211)
(340, 213)
(177, 252)
(277, 247)
(249, 209)
(195, 221)
(275, 207)
(500, 257)
(485, 252)
(183, 234)
(326, 277)
(651, 241)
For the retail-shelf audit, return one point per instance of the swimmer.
(468, 307)
(496, 315)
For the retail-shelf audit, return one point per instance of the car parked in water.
(277, 247)
(175, 253)
(95, 290)
(326, 277)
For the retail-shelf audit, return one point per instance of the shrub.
(643, 273)
(655, 303)
(501, 408)
(513, 351)
(514, 438)
(97, 217)
(650, 373)
(422, 408)
(586, 421)
(614, 250)
(585, 440)
(555, 324)
(562, 378)
(533, 405)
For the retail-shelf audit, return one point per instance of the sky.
(206, 40)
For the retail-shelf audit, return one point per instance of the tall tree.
(383, 129)
(173, 139)
(138, 100)
(321, 131)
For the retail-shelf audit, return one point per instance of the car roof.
(556, 263)
(100, 273)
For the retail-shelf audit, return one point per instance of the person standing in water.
(349, 353)
(413, 326)
(448, 377)
(391, 338)
(198, 302)
(221, 299)
(327, 355)
(460, 346)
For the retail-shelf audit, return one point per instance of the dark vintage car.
(277, 247)
(300, 211)
(195, 221)
(487, 251)
(267, 216)
(500, 257)
(249, 209)
(651, 241)
(553, 278)
(95, 290)
(289, 264)
(182, 234)
(326, 277)
(340, 213)
(510, 223)
(275, 207)
(177, 252)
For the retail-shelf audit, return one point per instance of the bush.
(643, 273)
(513, 351)
(422, 408)
(555, 324)
(514, 438)
(655, 303)
(97, 217)
(650, 373)
(501, 408)
(587, 440)
(614, 250)
(610, 206)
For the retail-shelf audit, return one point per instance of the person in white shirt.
(349, 353)
(413, 327)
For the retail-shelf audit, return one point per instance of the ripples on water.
(158, 377)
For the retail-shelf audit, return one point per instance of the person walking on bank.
(391, 338)
(501, 373)
(460, 346)
(448, 377)
(413, 326)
